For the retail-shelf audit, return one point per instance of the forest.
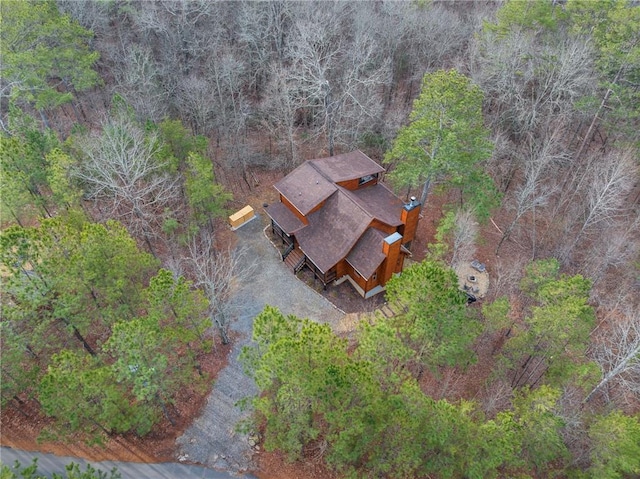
(130, 130)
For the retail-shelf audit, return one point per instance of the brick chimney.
(391, 249)
(409, 216)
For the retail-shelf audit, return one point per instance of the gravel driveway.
(211, 440)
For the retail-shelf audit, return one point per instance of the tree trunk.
(165, 410)
(20, 405)
(223, 331)
(425, 191)
(43, 116)
(595, 117)
(79, 337)
(613, 373)
(86, 345)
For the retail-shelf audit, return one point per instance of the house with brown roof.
(338, 220)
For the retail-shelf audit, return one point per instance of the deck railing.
(286, 252)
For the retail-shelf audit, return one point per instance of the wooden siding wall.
(372, 283)
(320, 205)
(410, 220)
(392, 252)
(293, 209)
(389, 230)
(355, 183)
(362, 282)
(349, 184)
(342, 268)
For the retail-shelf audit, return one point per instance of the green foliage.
(64, 192)
(83, 394)
(178, 140)
(271, 325)
(538, 273)
(188, 154)
(496, 314)
(19, 371)
(538, 427)
(68, 278)
(439, 250)
(445, 138)
(16, 200)
(46, 56)
(615, 440)
(371, 413)
(148, 358)
(530, 15)
(23, 171)
(613, 25)
(183, 308)
(84, 271)
(300, 370)
(73, 471)
(434, 321)
(380, 345)
(206, 197)
(556, 328)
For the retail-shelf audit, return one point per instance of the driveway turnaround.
(49, 463)
(212, 439)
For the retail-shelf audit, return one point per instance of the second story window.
(367, 179)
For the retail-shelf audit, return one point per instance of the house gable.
(305, 188)
(367, 256)
(347, 167)
(333, 231)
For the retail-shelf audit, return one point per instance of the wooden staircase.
(295, 260)
(387, 310)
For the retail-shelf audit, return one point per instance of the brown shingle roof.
(305, 188)
(342, 227)
(285, 218)
(333, 231)
(381, 203)
(367, 254)
(347, 166)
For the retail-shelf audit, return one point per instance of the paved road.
(49, 463)
(212, 439)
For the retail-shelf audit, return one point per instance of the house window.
(366, 179)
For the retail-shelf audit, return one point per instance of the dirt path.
(212, 439)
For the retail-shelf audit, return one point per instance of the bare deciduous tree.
(219, 273)
(465, 233)
(606, 181)
(224, 74)
(139, 83)
(506, 276)
(122, 168)
(338, 83)
(279, 115)
(541, 155)
(262, 31)
(618, 355)
(89, 13)
(615, 249)
(198, 103)
(530, 81)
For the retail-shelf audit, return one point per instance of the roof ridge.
(315, 167)
(351, 197)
